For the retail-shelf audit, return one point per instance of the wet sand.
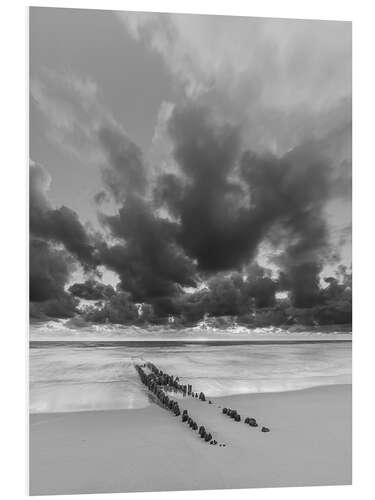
(152, 450)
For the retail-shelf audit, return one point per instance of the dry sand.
(151, 450)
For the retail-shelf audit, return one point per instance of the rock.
(265, 429)
(225, 411)
(208, 437)
(184, 417)
(237, 418)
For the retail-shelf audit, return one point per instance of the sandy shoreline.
(151, 450)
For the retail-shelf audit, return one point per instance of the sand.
(151, 450)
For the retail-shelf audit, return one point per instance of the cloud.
(58, 241)
(125, 173)
(256, 152)
(77, 118)
(232, 200)
(60, 225)
(148, 260)
(119, 309)
(49, 272)
(283, 61)
(280, 77)
(72, 106)
(92, 290)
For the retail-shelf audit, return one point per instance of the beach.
(149, 449)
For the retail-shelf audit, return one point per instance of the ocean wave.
(68, 330)
(97, 378)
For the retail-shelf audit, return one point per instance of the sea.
(79, 368)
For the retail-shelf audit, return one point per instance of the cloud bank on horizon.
(243, 189)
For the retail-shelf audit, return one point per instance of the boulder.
(265, 429)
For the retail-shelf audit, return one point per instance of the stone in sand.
(265, 429)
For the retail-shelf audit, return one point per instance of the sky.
(169, 149)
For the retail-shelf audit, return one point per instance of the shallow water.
(88, 375)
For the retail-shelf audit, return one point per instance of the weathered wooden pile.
(151, 381)
(248, 420)
(158, 382)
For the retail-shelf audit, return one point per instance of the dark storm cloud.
(210, 204)
(92, 290)
(231, 201)
(149, 262)
(291, 192)
(221, 203)
(58, 239)
(49, 273)
(147, 258)
(60, 225)
(231, 294)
